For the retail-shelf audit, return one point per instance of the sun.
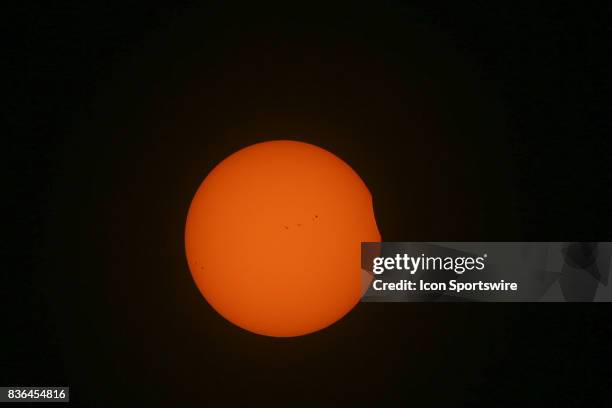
(273, 237)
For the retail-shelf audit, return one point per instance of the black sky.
(468, 122)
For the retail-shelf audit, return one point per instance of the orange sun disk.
(273, 238)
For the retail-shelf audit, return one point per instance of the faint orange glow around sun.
(273, 238)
